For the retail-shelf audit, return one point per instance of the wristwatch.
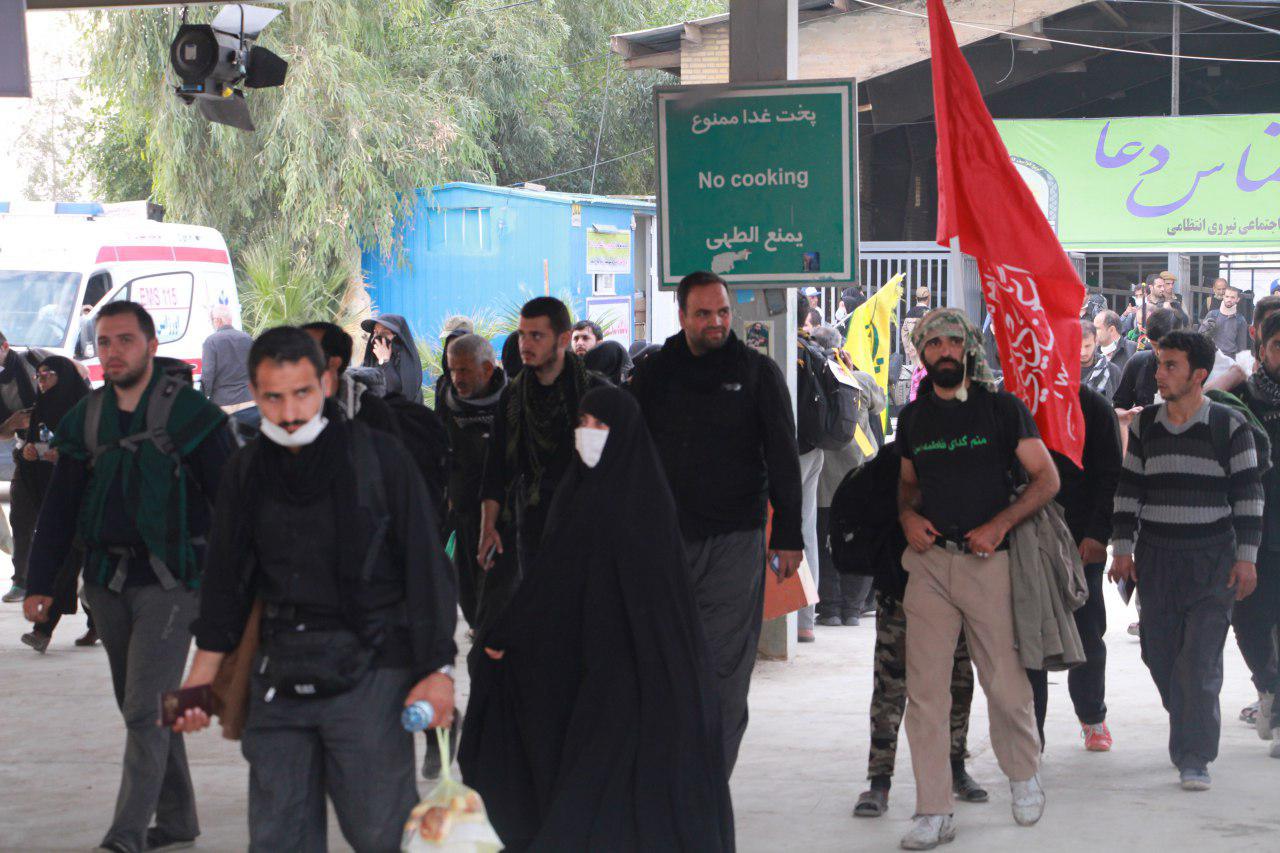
(446, 670)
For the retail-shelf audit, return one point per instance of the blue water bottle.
(418, 716)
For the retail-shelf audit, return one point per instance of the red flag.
(1031, 289)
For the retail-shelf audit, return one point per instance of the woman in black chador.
(593, 722)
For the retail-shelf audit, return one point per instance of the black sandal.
(872, 803)
(966, 789)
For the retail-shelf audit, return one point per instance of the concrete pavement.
(802, 765)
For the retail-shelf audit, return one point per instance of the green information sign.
(1155, 183)
(758, 182)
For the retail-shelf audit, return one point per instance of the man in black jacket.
(1255, 619)
(1111, 340)
(720, 415)
(468, 407)
(1137, 388)
(332, 529)
(1085, 495)
(531, 445)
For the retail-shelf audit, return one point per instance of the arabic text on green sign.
(756, 182)
(1162, 183)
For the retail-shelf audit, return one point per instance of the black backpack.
(865, 535)
(427, 441)
(826, 408)
(1220, 428)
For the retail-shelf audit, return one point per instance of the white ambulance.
(60, 263)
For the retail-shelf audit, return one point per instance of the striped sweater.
(1174, 483)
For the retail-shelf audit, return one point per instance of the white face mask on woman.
(300, 437)
(590, 444)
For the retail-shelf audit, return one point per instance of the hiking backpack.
(826, 409)
(174, 373)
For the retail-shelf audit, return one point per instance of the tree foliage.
(381, 98)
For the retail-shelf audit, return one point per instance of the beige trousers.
(947, 592)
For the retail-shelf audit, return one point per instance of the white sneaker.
(1028, 801)
(928, 831)
(1263, 723)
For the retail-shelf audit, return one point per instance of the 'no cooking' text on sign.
(758, 182)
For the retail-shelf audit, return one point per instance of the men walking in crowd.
(810, 369)
(720, 416)
(960, 440)
(921, 306)
(587, 335)
(468, 409)
(1096, 371)
(1112, 343)
(17, 394)
(1214, 300)
(842, 598)
(1226, 326)
(531, 445)
(354, 398)
(1256, 619)
(223, 356)
(1190, 480)
(138, 462)
(1137, 386)
(1086, 494)
(391, 349)
(357, 616)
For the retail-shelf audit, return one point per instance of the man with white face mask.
(329, 524)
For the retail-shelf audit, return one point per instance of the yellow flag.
(868, 341)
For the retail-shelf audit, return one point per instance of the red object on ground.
(1096, 738)
(1031, 289)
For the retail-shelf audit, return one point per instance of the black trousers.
(1186, 610)
(838, 595)
(1257, 622)
(482, 595)
(1086, 683)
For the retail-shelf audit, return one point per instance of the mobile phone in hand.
(176, 703)
(775, 563)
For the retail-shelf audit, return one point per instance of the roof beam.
(1111, 14)
(692, 33)
(666, 60)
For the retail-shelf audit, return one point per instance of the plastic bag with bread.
(452, 818)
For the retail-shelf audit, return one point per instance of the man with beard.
(1095, 370)
(586, 337)
(1112, 343)
(531, 445)
(1256, 619)
(1187, 523)
(328, 525)
(720, 415)
(136, 495)
(1226, 326)
(468, 408)
(960, 442)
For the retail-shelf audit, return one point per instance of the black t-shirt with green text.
(963, 454)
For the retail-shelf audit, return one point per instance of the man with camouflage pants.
(889, 700)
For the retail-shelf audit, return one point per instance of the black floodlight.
(212, 59)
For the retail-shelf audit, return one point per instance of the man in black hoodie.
(468, 407)
(1086, 495)
(720, 415)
